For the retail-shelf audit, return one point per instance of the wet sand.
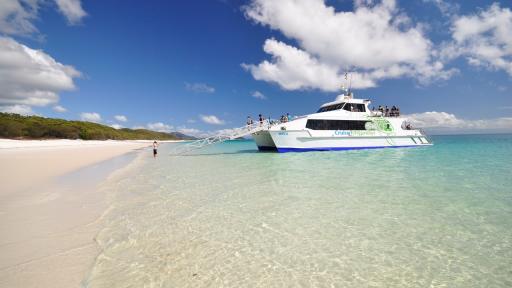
(50, 205)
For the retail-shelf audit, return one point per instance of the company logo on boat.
(342, 133)
(354, 133)
(379, 124)
(282, 133)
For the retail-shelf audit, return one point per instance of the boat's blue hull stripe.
(284, 150)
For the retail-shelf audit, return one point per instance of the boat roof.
(342, 98)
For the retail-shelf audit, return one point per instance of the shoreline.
(51, 203)
(28, 163)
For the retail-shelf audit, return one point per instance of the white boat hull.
(302, 141)
(264, 141)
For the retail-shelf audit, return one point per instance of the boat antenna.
(349, 80)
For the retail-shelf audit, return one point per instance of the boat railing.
(225, 135)
(424, 134)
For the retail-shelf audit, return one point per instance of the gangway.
(232, 134)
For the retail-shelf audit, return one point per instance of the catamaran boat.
(343, 124)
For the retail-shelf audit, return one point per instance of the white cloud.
(90, 117)
(17, 109)
(211, 119)
(16, 16)
(116, 126)
(377, 41)
(72, 9)
(121, 118)
(294, 69)
(159, 127)
(31, 77)
(449, 122)
(484, 38)
(191, 121)
(59, 109)
(199, 87)
(258, 95)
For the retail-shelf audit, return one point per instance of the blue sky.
(202, 66)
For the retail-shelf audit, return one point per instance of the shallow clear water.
(436, 216)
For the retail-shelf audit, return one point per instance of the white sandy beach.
(47, 231)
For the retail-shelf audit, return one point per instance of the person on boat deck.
(261, 119)
(249, 121)
(392, 113)
(387, 111)
(288, 118)
(155, 147)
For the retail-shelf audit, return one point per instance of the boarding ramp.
(231, 134)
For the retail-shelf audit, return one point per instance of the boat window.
(330, 108)
(353, 107)
(315, 124)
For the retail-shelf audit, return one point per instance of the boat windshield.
(331, 107)
(352, 107)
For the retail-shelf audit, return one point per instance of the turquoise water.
(437, 216)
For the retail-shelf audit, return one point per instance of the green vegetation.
(16, 126)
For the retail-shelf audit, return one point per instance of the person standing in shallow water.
(155, 147)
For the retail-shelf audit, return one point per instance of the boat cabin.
(347, 103)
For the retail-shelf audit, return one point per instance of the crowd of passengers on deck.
(387, 112)
(283, 119)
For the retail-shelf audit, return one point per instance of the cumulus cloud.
(59, 109)
(17, 109)
(258, 95)
(72, 10)
(90, 117)
(121, 118)
(294, 69)
(211, 119)
(443, 121)
(159, 127)
(116, 126)
(17, 16)
(377, 41)
(199, 87)
(31, 77)
(484, 38)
